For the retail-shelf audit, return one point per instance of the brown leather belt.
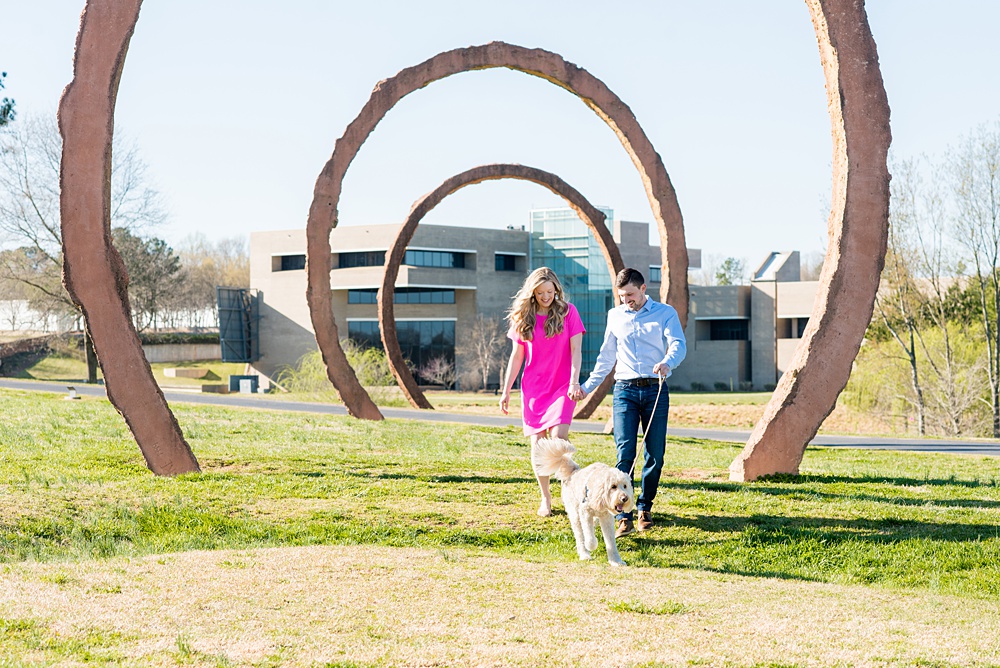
(641, 382)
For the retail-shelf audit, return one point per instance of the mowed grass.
(438, 550)
(73, 486)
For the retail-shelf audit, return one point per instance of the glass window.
(801, 326)
(365, 333)
(362, 296)
(292, 262)
(420, 340)
(655, 273)
(505, 262)
(361, 259)
(729, 330)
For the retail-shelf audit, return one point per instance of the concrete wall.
(182, 352)
(762, 334)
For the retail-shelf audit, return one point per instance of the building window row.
(426, 258)
(348, 260)
(414, 258)
(403, 296)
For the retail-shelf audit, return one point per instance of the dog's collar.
(586, 493)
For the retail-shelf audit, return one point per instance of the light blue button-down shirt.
(638, 340)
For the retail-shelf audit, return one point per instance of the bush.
(721, 387)
(371, 366)
(745, 386)
(769, 387)
(308, 375)
(698, 387)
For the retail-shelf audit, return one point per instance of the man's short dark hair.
(629, 276)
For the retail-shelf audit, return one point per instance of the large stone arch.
(93, 271)
(537, 62)
(386, 310)
(858, 230)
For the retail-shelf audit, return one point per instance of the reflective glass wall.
(564, 243)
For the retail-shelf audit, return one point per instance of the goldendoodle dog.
(591, 495)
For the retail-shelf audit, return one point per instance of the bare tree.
(206, 266)
(898, 301)
(811, 265)
(29, 207)
(484, 344)
(974, 170)
(439, 371)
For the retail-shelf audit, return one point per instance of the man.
(646, 340)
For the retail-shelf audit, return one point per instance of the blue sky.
(236, 105)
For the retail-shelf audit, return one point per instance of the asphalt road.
(958, 446)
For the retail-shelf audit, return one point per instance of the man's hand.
(575, 392)
(661, 369)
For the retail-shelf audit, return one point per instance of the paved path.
(963, 446)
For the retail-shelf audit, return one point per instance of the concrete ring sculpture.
(386, 310)
(858, 232)
(93, 272)
(537, 62)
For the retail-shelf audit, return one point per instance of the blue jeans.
(634, 405)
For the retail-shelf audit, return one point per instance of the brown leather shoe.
(645, 522)
(625, 527)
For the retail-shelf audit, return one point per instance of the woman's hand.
(505, 402)
(575, 392)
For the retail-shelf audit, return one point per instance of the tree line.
(931, 356)
(167, 288)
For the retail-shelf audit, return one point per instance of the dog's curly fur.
(591, 495)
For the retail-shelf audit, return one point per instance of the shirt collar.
(646, 305)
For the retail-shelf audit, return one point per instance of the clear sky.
(236, 105)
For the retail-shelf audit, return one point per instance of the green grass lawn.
(80, 515)
(73, 485)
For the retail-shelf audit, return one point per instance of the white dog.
(591, 495)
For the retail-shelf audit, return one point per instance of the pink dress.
(548, 365)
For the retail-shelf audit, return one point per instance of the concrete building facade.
(739, 337)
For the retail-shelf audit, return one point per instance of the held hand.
(661, 369)
(575, 392)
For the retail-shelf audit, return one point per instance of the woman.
(546, 332)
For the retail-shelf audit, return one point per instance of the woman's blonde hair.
(522, 310)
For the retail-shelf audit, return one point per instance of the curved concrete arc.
(859, 114)
(537, 62)
(93, 271)
(397, 251)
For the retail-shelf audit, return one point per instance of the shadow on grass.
(769, 487)
(469, 479)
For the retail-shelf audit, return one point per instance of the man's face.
(633, 297)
